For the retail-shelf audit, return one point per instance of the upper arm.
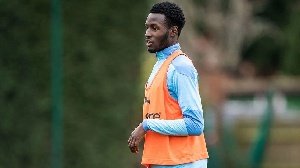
(185, 88)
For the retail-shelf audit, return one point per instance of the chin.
(151, 50)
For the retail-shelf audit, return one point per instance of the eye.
(154, 28)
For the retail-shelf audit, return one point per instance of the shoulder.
(184, 66)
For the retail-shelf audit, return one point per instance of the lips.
(148, 43)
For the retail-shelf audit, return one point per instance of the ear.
(174, 31)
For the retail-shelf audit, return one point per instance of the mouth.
(148, 43)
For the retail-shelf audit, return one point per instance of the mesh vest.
(161, 149)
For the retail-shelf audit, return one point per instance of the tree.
(102, 45)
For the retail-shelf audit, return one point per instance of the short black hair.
(173, 14)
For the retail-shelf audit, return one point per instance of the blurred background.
(72, 75)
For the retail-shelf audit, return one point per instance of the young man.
(172, 112)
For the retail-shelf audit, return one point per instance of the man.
(172, 112)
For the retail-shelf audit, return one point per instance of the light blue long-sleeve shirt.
(182, 82)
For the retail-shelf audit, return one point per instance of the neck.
(173, 41)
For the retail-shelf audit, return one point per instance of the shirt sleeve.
(182, 81)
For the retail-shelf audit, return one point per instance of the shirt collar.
(165, 53)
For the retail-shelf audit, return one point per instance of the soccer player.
(172, 111)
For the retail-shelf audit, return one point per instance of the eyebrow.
(155, 23)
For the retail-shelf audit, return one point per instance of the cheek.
(161, 36)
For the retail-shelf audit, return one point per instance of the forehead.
(155, 18)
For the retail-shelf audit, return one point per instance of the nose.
(147, 33)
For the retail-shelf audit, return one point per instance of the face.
(157, 34)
